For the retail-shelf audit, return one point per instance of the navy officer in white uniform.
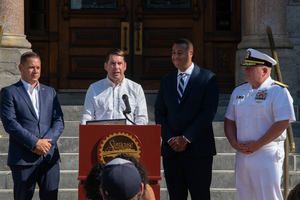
(257, 116)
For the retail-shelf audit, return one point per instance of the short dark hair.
(92, 183)
(188, 43)
(26, 55)
(115, 51)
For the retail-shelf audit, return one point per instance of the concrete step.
(72, 112)
(68, 179)
(71, 145)
(220, 179)
(65, 145)
(7, 194)
(225, 179)
(216, 194)
(71, 98)
(69, 161)
(71, 129)
(222, 161)
(223, 194)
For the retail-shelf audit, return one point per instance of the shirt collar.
(27, 85)
(262, 86)
(265, 84)
(188, 71)
(112, 84)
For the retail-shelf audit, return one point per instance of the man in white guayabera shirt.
(103, 99)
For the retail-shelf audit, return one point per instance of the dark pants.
(26, 177)
(188, 174)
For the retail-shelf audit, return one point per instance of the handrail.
(1, 34)
(289, 135)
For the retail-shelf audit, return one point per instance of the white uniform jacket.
(256, 110)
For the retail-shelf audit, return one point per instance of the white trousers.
(258, 175)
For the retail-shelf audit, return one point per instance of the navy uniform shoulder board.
(281, 84)
(241, 84)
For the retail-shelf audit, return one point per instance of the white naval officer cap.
(254, 57)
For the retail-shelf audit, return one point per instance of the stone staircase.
(223, 182)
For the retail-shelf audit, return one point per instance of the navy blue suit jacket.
(193, 117)
(25, 129)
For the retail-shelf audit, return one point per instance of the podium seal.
(116, 143)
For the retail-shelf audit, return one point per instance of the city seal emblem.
(116, 143)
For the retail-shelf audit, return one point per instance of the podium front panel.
(101, 143)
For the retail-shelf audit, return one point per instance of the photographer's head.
(120, 180)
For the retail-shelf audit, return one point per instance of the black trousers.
(188, 174)
(26, 177)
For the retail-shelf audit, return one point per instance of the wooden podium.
(101, 143)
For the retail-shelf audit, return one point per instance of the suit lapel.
(25, 95)
(42, 99)
(193, 79)
(173, 89)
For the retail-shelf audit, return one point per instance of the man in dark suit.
(185, 107)
(32, 116)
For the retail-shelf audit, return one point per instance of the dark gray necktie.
(180, 87)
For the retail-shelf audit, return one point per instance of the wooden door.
(161, 23)
(73, 37)
(87, 32)
(145, 30)
(41, 28)
(222, 35)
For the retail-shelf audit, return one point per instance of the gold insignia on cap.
(248, 53)
(248, 64)
(253, 61)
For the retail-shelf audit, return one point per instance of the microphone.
(125, 99)
(128, 109)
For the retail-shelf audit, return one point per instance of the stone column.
(14, 42)
(259, 14)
